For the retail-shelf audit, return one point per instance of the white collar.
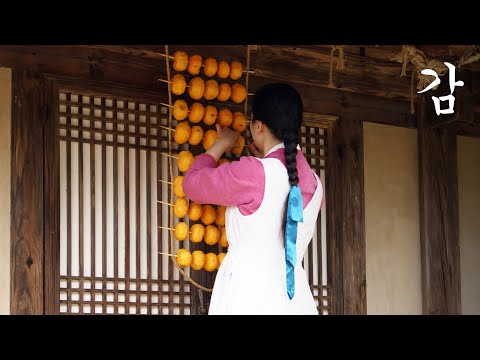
(278, 146)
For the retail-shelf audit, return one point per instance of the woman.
(265, 195)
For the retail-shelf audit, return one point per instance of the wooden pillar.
(27, 227)
(440, 253)
(347, 273)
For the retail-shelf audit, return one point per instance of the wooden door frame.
(35, 184)
(27, 201)
(346, 215)
(54, 85)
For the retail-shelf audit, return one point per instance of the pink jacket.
(240, 183)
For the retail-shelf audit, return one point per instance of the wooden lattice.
(109, 240)
(314, 146)
(122, 138)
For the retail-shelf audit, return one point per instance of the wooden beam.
(96, 64)
(347, 273)
(306, 66)
(143, 65)
(375, 75)
(27, 228)
(439, 237)
(440, 52)
(319, 120)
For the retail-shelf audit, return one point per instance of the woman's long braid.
(290, 140)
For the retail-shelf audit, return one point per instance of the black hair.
(280, 108)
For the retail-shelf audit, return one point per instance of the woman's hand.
(254, 150)
(226, 137)
(225, 140)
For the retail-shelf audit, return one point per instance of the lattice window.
(111, 158)
(109, 240)
(314, 146)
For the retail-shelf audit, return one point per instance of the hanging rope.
(410, 54)
(245, 109)
(341, 57)
(246, 81)
(404, 57)
(170, 163)
(340, 62)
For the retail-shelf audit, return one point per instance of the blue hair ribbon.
(294, 215)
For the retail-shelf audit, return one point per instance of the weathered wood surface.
(27, 203)
(347, 272)
(439, 232)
